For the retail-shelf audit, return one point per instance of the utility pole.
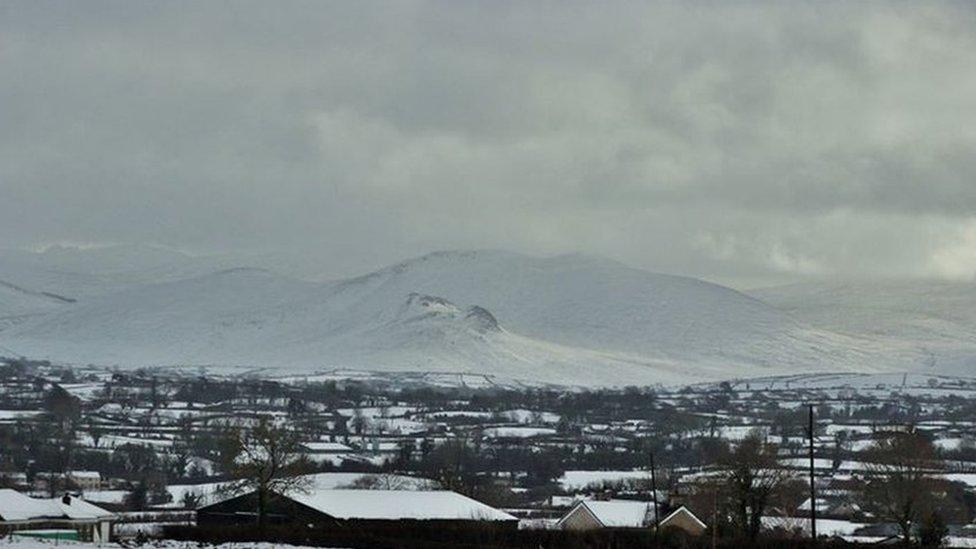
(714, 516)
(813, 484)
(654, 495)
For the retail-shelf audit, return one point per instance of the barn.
(324, 508)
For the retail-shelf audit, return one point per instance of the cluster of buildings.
(598, 442)
(73, 518)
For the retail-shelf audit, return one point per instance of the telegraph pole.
(813, 484)
(654, 495)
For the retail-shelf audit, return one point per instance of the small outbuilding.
(27, 515)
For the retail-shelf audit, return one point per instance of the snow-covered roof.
(620, 513)
(822, 505)
(80, 509)
(398, 504)
(326, 447)
(682, 511)
(15, 506)
(85, 474)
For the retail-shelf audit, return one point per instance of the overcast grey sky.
(737, 142)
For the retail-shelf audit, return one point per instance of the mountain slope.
(18, 304)
(937, 317)
(568, 319)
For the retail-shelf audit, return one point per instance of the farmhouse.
(361, 507)
(81, 480)
(20, 513)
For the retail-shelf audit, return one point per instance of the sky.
(745, 143)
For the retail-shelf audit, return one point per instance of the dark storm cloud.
(731, 141)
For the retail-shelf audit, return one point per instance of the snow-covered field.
(208, 492)
(578, 480)
(161, 544)
(956, 542)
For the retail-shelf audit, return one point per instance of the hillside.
(937, 317)
(19, 304)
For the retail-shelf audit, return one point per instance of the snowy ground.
(162, 544)
(208, 492)
(577, 480)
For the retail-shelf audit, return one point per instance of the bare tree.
(268, 459)
(383, 481)
(753, 476)
(360, 423)
(95, 430)
(899, 485)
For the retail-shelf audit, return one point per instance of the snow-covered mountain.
(565, 319)
(939, 318)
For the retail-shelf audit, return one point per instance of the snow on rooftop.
(518, 432)
(326, 447)
(85, 474)
(619, 513)
(80, 509)
(395, 504)
(15, 506)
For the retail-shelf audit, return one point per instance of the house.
(85, 480)
(13, 479)
(24, 514)
(331, 507)
(684, 520)
(81, 480)
(326, 448)
(614, 513)
(327, 452)
(831, 507)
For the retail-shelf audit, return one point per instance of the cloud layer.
(731, 141)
